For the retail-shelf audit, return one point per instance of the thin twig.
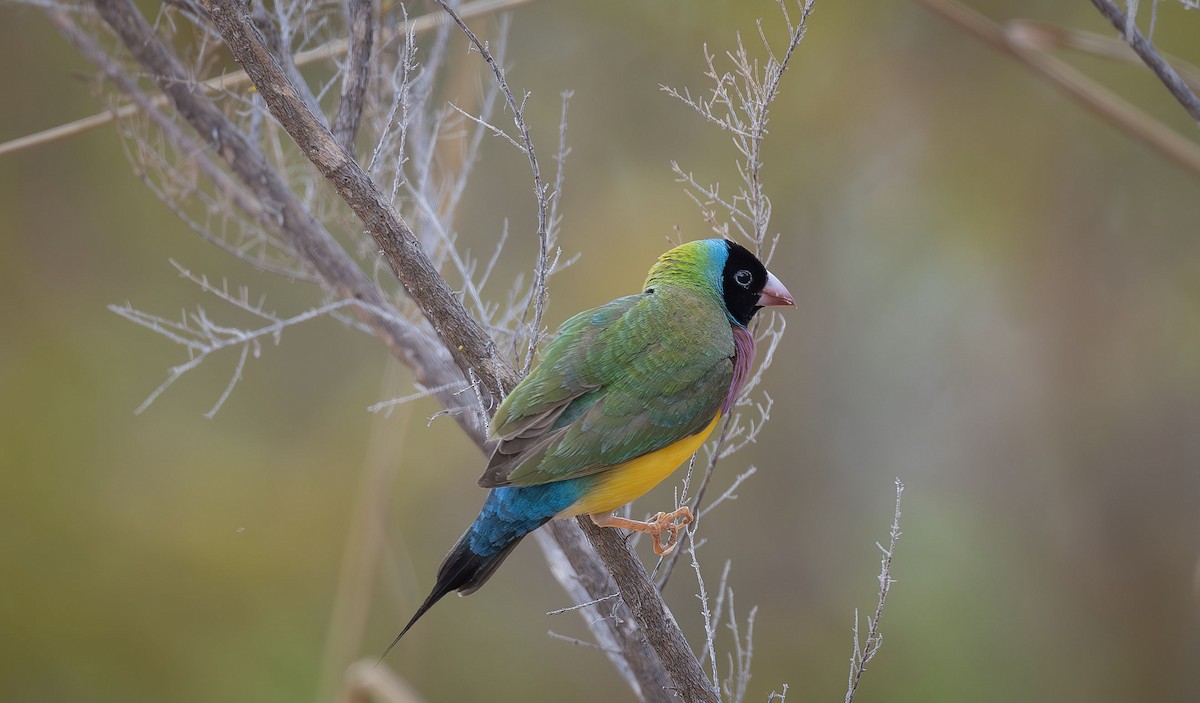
(581, 643)
(235, 79)
(345, 281)
(423, 393)
(864, 653)
(737, 682)
(207, 339)
(739, 102)
(462, 335)
(710, 627)
(542, 195)
(729, 492)
(585, 579)
(578, 606)
(241, 199)
(710, 468)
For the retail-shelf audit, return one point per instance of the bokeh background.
(999, 303)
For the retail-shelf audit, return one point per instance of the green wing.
(619, 381)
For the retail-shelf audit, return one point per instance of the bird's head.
(724, 268)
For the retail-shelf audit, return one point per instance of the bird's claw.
(671, 523)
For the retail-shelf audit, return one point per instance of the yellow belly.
(631, 480)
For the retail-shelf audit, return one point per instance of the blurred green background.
(999, 303)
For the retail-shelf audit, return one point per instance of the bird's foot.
(670, 523)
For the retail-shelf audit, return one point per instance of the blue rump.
(511, 512)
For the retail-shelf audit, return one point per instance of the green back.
(619, 381)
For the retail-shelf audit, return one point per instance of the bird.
(621, 397)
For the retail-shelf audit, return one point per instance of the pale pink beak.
(774, 293)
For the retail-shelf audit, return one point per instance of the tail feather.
(462, 570)
(508, 514)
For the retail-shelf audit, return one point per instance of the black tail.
(462, 570)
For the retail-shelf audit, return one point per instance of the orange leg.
(655, 526)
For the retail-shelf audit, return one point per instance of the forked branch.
(342, 279)
(469, 344)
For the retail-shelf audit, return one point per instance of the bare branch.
(203, 338)
(233, 79)
(275, 32)
(737, 682)
(864, 653)
(710, 622)
(488, 126)
(580, 606)
(360, 16)
(339, 275)
(581, 643)
(1145, 49)
(739, 101)
(233, 381)
(729, 492)
(657, 623)
(585, 579)
(389, 405)
(227, 188)
(543, 196)
(737, 677)
(466, 341)
(1028, 48)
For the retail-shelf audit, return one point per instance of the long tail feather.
(463, 571)
(508, 514)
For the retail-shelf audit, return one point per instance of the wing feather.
(618, 381)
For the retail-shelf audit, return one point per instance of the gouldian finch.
(622, 396)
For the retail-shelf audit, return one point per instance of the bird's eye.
(743, 278)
